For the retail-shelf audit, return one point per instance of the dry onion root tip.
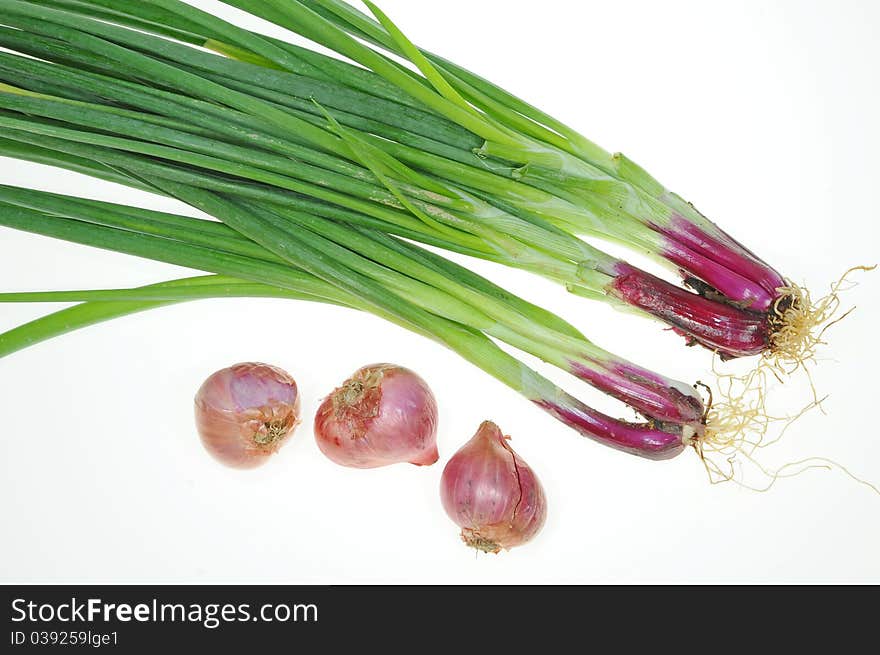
(798, 323)
(737, 423)
(737, 427)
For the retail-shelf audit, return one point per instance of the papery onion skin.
(383, 415)
(246, 412)
(492, 494)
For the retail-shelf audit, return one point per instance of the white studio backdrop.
(762, 113)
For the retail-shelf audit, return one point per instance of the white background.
(762, 113)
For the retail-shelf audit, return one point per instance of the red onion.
(245, 413)
(383, 415)
(492, 494)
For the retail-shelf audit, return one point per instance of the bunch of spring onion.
(318, 167)
(435, 159)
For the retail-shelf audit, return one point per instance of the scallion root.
(798, 324)
(738, 423)
(739, 426)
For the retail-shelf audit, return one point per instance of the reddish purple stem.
(732, 285)
(701, 249)
(646, 392)
(637, 439)
(732, 331)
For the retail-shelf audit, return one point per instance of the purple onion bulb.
(492, 494)
(384, 414)
(246, 412)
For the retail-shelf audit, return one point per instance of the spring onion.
(520, 224)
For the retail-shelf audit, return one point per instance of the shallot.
(246, 412)
(492, 494)
(382, 415)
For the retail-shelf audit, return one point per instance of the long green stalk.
(65, 84)
(415, 274)
(137, 125)
(71, 319)
(195, 288)
(544, 202)
(508, 109)
(584, 214)
(564, 213)
(147, 17)
(62, 26)
(492, 225)
(131, 170)
(239, 128)
(103, 305)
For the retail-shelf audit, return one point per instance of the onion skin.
(383, 415)
(492, 494)
(246, 412)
